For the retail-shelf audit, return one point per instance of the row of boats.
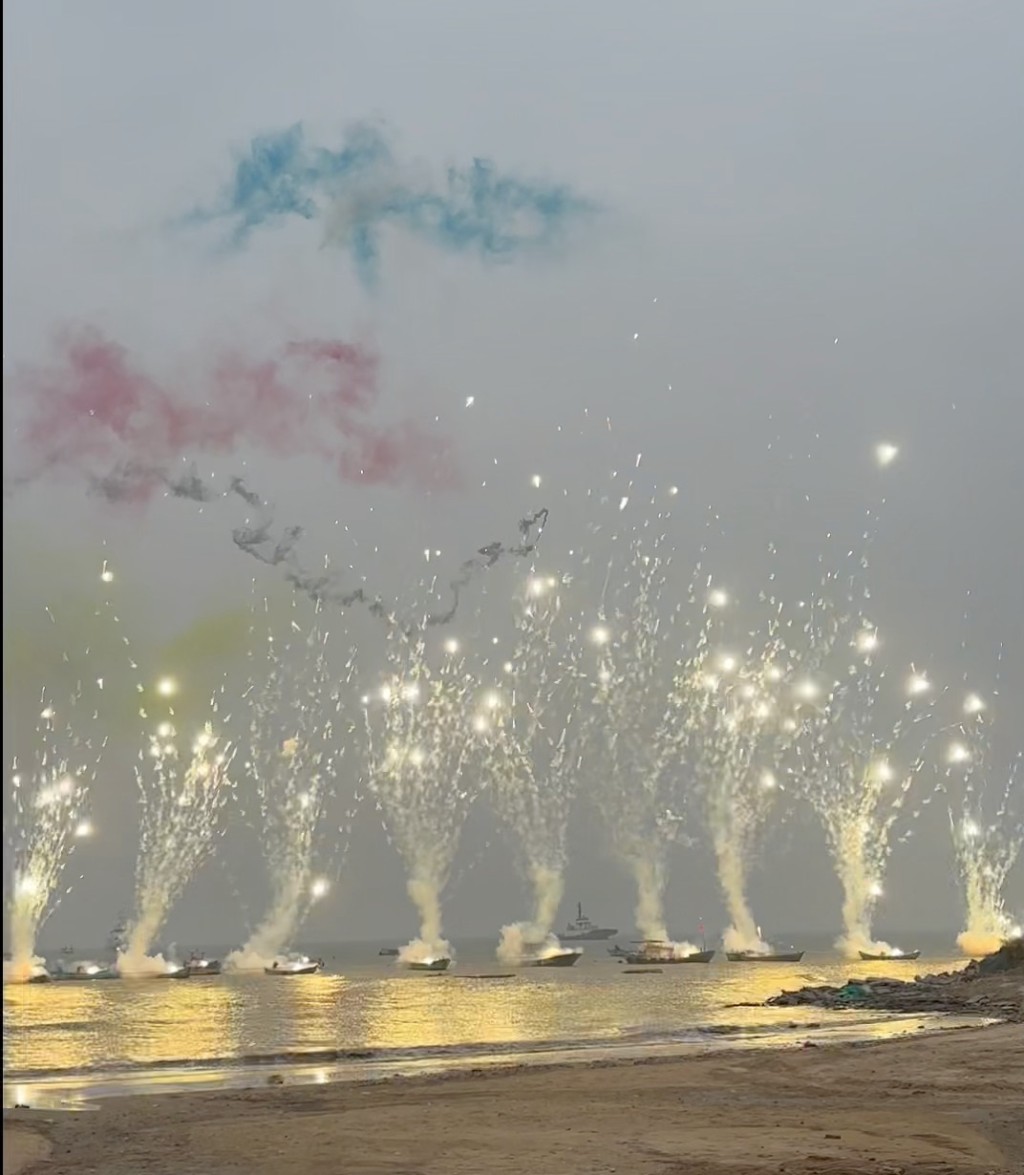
(195, 967)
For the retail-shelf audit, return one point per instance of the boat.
(653, 951)
(83, 972)
(889, 956)
(583, 930)
(298, 965)
(557, 959)
(388, 952)
(199, 966)
(618, 952)
(441, 964)
(771, 957)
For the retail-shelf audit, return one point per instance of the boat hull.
(669, 960)
(433, 965)
(201, 970)
(778, 957)
(73, 977)
(291, 972)
(883, 957)
(562, 959)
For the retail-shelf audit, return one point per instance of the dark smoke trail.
(260, 542)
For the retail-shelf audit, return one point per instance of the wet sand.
(948, 1102)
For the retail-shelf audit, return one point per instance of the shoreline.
(58, 1092)
(950, 1100)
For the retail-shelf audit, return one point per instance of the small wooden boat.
(655, 953)
(641, 970)
(430, 965)
(559, 959)
(889, 956)
(388, 952)
(772, 957)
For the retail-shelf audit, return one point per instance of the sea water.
(365, 1017)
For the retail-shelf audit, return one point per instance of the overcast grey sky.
(810, 238)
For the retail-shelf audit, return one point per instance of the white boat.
(293, 965)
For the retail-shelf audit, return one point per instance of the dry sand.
(950, 1102)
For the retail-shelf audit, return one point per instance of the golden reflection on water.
(68, 1027)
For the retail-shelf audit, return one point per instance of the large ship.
(583, 930)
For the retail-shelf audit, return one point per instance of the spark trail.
(734, 733)
(987, 824)
(859, 749)
(420, 740)
(93, 413)
(183, 787)
(50, 798)
(300, 699)
(361, 188)
(532, 731)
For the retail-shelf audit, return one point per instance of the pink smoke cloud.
(93, 409)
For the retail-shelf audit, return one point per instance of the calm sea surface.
(366, 1017)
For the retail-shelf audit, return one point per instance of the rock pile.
(992, 987)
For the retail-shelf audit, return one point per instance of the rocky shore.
(993, 986)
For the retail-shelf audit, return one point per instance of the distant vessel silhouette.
(583, 930)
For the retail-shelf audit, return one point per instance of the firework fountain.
(858, 751)
(987, 827)
(640, 797)
(532, 735)
(49, 818)
(183, 787)
(294, 776)
(419, 745)
(734, 733)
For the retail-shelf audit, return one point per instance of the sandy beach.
(947, 1102)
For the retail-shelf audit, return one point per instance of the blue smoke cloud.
(361, 187)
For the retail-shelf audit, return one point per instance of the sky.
(728, 248)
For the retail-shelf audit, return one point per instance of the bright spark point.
(673, 490)
(883, 771)
(875, 889)
(470, 401)
(600, 635)
(492, 701)
(165, 730)
(480, 724)
(806, 690)
(83, 829)
(451, 646)
(886, 453)
(973, 704)
(717, 598)
(385, 693)
(918, 684)
(535, 481)
(319, 888)
(768, 780)
(958, 753)
(167, 687)
(867, 641)
(410, 693)
(106, 575)
(971, 828)
(727, 663)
